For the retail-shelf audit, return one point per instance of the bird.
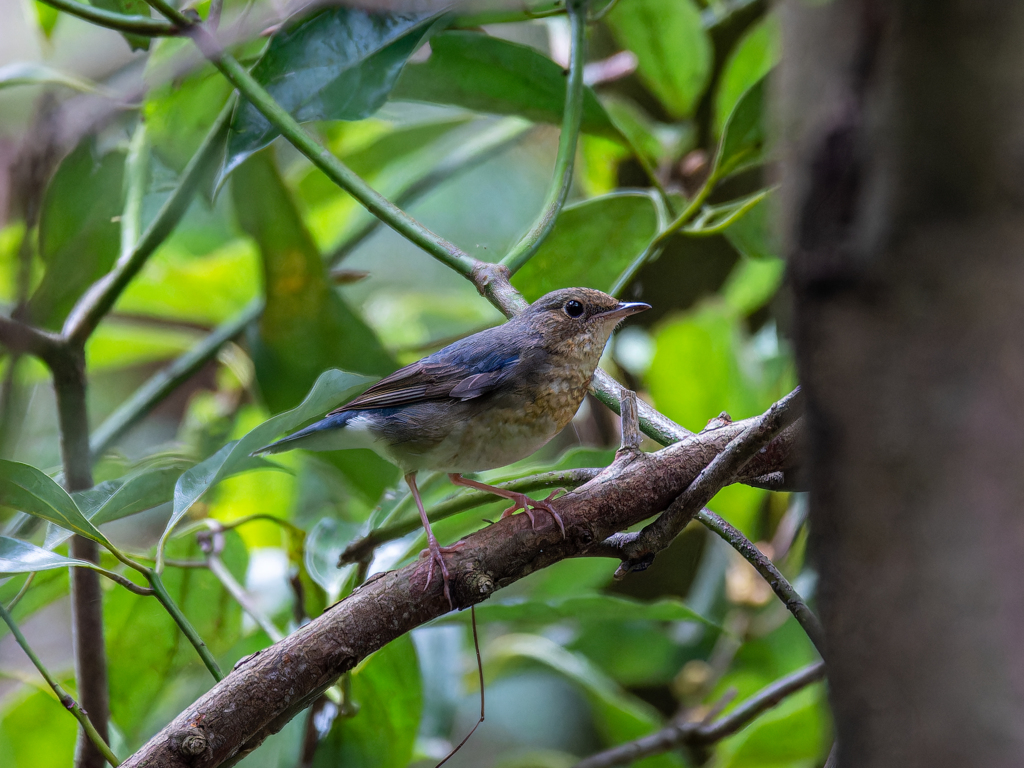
(483, 402)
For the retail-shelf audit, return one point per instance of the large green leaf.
(306, 327)
(331, 390)
(17, 556)
(591, 244)
(25, 488)
(388, 691)
(744, 134)
(339, 64)
(754, 233)
(35, 730)
(487, 74)
(582, 607)
(672, 49)
(619, 716)
(79, 236)
(793, 733)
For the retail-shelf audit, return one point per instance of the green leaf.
(591, 244)
(486, 74)
(339, 64)
(331, 390)
(46, 17)
(116, 499)
(79, 236)
(35, 730)
(754, 233)
(752, 59)
(128, 8)
(28, 489)
(388, 691)
(796, 731)
(673, 51)
(306, 327)
(584, 608)
(752, 284)
(34, 73)
(17, 556)
(619, 716)
(744, 134)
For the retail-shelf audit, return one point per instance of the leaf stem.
(63, 696)
(179, 618)
(136, 25)
(572, 117)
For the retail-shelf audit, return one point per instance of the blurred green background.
(465, 139)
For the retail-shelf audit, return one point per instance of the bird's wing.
(459, 372)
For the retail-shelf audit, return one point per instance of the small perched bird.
(485, 401)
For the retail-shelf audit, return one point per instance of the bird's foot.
(524, 502)
(435, 555)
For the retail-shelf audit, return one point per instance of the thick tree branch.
(266, 690)
(639, 549)
(701, 734)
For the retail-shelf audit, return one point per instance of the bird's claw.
(524, 502)
(435, 554)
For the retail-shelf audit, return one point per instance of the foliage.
(437, 118)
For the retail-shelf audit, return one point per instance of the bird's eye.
(573, 308)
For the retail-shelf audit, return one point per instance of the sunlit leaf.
(46, 17)
(339, 64)
(388, 691)
(17, 556)
(672, 49)
(331, 390)
(744, 135)
(25, 488)
(591, 244)
(487, 74)
(583, 608)
(36, 731)
(796, 730)
(619, 716)
(79, 234)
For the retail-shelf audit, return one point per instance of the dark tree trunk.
(903, 131)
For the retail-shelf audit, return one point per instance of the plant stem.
(572, 117)
(136, 25)
(65, 699)
(91, 308)
(179, 618)
(68, 368)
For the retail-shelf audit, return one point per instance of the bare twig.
(629, 422)
(701, 734)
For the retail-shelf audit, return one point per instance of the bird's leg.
(519, 500)
(434, 548)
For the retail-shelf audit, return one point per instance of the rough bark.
(266, 690)
(903, 125)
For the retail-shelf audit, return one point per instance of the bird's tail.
(325, 435)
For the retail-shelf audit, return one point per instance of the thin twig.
(572, 118)
(65, 699)
(701, 734)
(768, 570)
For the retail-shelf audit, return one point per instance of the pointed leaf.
(331, 390)
(339, 64)
(673, 51)
(28, 489)
(17, 556)
(592, 243)
(487, 74)
(744, 135)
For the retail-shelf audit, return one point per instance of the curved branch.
(266, 690)
(702, 734)
(135, 25)
(572, 118)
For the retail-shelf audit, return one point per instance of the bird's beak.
(625, 309)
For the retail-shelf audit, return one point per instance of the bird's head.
(577, 321)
